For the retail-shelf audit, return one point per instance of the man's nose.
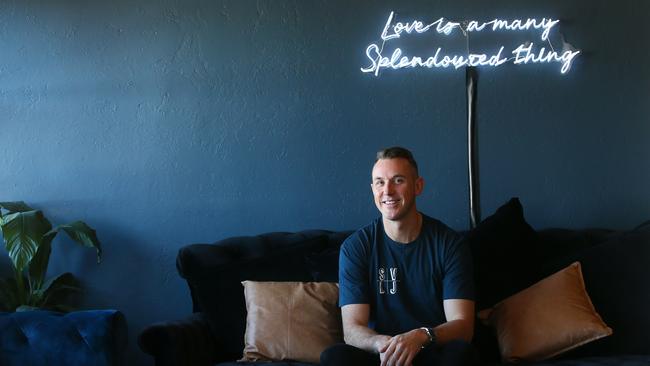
(389, 187)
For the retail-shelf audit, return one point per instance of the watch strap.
(431, 334)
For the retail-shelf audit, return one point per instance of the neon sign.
(523, 54)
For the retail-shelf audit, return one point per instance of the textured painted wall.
(162, 123)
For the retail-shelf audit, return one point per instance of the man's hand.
(401, 349)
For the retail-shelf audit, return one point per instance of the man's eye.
(379, 183)
(399, 180)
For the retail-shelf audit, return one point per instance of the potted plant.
(28, 236)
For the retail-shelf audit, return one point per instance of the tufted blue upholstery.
(35, 338)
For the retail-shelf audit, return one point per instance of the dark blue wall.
(162, 123)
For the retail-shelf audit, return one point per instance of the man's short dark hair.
(398, 152)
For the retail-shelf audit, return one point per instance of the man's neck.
(405, 230)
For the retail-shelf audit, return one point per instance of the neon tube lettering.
(523, 54)
(416, 25)
(515, 25)
(472, 26)
(398, 61)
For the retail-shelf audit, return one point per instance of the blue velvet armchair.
(35, 338)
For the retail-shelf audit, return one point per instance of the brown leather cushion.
(290, 320)
(546, 319)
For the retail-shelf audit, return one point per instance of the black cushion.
(504, 252)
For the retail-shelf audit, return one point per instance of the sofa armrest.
(184, 342)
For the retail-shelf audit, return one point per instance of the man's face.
(394, 187)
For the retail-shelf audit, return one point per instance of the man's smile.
(390, 202)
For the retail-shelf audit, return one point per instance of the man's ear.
(419, 185)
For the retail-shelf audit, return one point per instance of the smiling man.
(406, 280)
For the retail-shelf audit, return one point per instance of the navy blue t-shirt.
(405, 284)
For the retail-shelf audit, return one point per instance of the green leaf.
(62, 281)
(23, 233)
(40, 261)
(28, 237)
(26, 308)
(18, 206)
(82, 234)
(54, 288)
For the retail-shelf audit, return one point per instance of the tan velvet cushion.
(290, 320)
(546, 319)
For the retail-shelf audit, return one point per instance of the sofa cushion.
(546, 319)
(616, 275)
(290, 320)
(215, 272)
(503, 248)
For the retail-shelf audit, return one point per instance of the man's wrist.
(378, 342)
(431, 336)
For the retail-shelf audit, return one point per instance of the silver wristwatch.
(431, 334)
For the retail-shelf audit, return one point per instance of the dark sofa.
(508, 257)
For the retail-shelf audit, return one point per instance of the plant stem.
(20, 287)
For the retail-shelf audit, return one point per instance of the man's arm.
(402, 348)
(460, 321)
(458, 285)
(355, 328)
(398, 350)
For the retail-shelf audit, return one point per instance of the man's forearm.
(364, 338)
(369, 340)
(454, 329)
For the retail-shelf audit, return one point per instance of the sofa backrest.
(214, 273)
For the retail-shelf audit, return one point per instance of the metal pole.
(471, 77)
